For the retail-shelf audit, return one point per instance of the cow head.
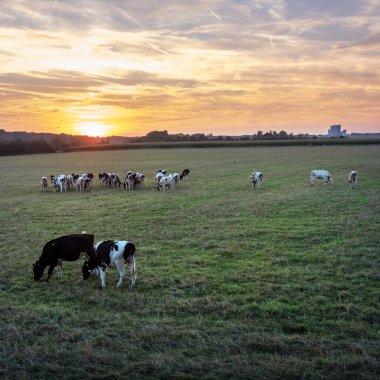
(89, 267)
(38, 270)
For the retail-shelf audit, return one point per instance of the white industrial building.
(336, 131)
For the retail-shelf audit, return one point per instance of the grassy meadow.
(280, 282)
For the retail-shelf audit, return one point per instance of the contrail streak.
(214, 14)
(271, 42)
(156, 48)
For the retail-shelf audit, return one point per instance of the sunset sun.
(92, 128)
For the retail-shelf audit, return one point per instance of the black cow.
(185, 174)
(113, 253)
(67, 248)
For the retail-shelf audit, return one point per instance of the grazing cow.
(185, 174)
(87, 183)
(160, 173)
(75, 177)
(353, 178)
(129, 181)
(114, 180)
(103, 178)
(176, 180)
(70, 181)
(321, 174)
(80, 183)
(256, 179)
(108, 179)
(44, 184)
(111, 253)
(59, 182)
(83, 183)
(166, 182)
(139, 180)
(67, 248)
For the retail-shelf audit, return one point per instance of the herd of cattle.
(163, 181)
(133, 180)
(117, 253)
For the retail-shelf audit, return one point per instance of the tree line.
(16, 143)
(164, 136)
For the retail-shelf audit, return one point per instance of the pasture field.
(280, 282)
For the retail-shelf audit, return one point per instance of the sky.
(232, 67)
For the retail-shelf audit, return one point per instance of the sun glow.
(92, 128)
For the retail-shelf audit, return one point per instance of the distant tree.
(198, 137)
(157, 136)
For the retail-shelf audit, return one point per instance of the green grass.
(280, 282)
(225, 144)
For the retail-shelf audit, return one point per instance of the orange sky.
(219, 66)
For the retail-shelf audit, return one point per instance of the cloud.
(216, 63)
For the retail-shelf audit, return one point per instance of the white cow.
(80, 183)
(160, 173)
(353, 178)
(44, 184)
(176, 180)
(324, 175)
(166, 182)
(256, 179)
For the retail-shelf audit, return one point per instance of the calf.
(59, 182)
(70, 181)
(114, 180)
(160, 173)
(80, 183)
(185, 174)
(44, 184)
(176, 180)
(166, 182)
(129, 181)
(256, 179)
(353, 178)
(67, 248)
(139, 180)
(321, 174)
(111, 253)
(103, 178)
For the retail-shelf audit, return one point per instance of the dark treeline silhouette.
(18, 146)
(14, 143)
(164, 136)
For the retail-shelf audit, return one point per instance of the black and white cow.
(67, 248)
(324, 175)
(353, 178)
(103, 178)
(176, 179)
(166, 182)
(159, 174)
(113, 253)
(256, 179)
(59, 182)
(44, 183)
(185, 174)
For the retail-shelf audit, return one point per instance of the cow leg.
(59, 268)
(120, 266)
(50, 271)
(132, 265)
(102, 274)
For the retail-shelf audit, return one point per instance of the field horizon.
(276, 282)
